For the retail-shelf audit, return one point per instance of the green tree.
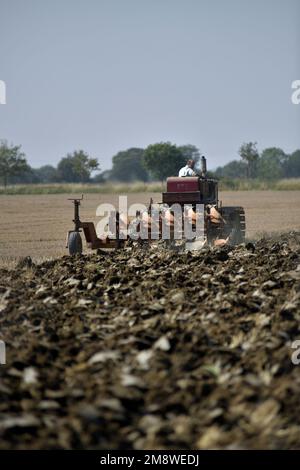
(102, 177)
(163, 159)
(46, 174)
(291, 166)
(190, 151)
(234, 169)
(76, 167)
(12, 161)
(249, 153)
(270, 164)
(26, 176)
(128, 166)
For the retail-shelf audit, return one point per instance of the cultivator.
(188, 202)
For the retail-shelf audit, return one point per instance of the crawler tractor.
(196, 197)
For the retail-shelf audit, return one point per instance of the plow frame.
(227, 223)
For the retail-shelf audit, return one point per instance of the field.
(153, 349)
(36, 225)
(149, 348)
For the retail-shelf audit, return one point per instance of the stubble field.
(36, 225)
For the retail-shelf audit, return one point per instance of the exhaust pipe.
(203, 167)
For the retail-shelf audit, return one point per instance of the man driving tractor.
(188, 169)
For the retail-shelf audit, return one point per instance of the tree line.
(271, 164)
(156, 162)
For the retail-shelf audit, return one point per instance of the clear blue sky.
(105, 75)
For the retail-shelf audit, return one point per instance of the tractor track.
(153, 349)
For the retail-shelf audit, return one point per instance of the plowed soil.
(153, 349)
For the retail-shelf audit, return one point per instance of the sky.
(106, 75)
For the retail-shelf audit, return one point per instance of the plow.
(190, 212)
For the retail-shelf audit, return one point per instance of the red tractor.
(221, 224)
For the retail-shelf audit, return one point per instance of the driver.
(188, 169)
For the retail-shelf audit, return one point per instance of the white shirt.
(186, 171)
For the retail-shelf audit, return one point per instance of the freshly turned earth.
(153, 349)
